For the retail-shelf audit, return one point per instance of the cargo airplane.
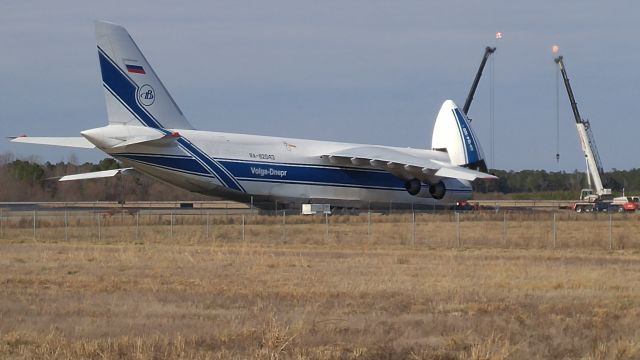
(148, 132)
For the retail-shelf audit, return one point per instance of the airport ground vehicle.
(626, 203)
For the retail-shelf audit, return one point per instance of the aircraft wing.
(76, 142)
(402, 164)
(93, 175)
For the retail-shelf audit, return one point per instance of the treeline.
(559, 185)
(29, 180)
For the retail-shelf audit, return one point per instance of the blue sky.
(357, 71)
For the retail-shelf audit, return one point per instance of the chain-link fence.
(478, 229)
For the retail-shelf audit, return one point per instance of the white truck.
(314, 209)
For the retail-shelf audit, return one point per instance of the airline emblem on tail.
(146, 95)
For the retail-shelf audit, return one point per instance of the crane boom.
(467, 104)
(594, 165)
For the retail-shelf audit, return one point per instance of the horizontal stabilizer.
(93, 175)
(118, 136)
(463, 173)
(146, 139)
(76, 142)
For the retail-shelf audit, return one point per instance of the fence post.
(137, 224)
(504, 229)
(610, 232)
(326, 227)
(554, 231)
(66, 231)
(99, 234)
(284, 225)
(413, 227)
(458, 229)
(171, 226)
(34, 223)
(1, 223)
(207, 231)
(369, 225)
(243, 228)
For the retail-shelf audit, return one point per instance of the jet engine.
(413, 186)
(416, 188)
(438, 190)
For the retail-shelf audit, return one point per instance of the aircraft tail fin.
(134, 94)
(453, 133)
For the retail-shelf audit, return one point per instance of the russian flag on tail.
(136, 69)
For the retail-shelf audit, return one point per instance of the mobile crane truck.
(596, 197)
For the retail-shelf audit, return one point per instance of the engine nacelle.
(413, 186)
(437, 190)
(416, 188)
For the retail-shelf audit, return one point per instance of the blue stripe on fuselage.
(222, 173)
(256, 171)
(305, 174)
(286, 173)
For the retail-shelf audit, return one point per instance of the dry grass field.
(297, 292)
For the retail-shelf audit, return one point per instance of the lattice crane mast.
(595, 170)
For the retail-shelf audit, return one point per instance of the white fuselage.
(240, 166)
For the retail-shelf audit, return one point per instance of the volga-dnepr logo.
(146, 95)
(268, 172)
